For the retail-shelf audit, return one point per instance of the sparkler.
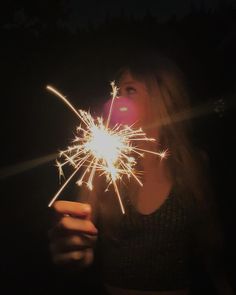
(109, 151)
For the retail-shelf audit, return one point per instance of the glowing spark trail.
(108, 151)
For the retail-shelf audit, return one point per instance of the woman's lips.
(124, 111)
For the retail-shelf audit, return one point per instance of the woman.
(170, 229)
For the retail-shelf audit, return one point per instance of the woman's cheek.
(125, 111)
(145, 113)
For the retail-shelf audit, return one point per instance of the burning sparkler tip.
(99, 148)
(164, 154)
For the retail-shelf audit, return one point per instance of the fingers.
(70, 225)
(78, 258)
(72, 243)
(72, 208)
(77, 225)
(73, 236)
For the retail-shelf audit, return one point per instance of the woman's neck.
(154, 168)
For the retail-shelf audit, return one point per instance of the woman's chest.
(167, 225)
(151, 196)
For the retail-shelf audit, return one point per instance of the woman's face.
(137, 92)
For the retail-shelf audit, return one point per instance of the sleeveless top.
(145, 252)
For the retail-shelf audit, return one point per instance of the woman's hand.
(73, 236)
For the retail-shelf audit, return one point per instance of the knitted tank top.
(145, 252)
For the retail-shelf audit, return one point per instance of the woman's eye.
(130, 90)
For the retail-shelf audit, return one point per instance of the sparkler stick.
(102, 149)
(114, 95)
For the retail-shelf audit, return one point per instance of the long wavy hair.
(188, 163)
(170, 103)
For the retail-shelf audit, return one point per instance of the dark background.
(77, 47)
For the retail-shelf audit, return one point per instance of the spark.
(99, 149)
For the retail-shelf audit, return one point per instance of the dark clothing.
(146, 252)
